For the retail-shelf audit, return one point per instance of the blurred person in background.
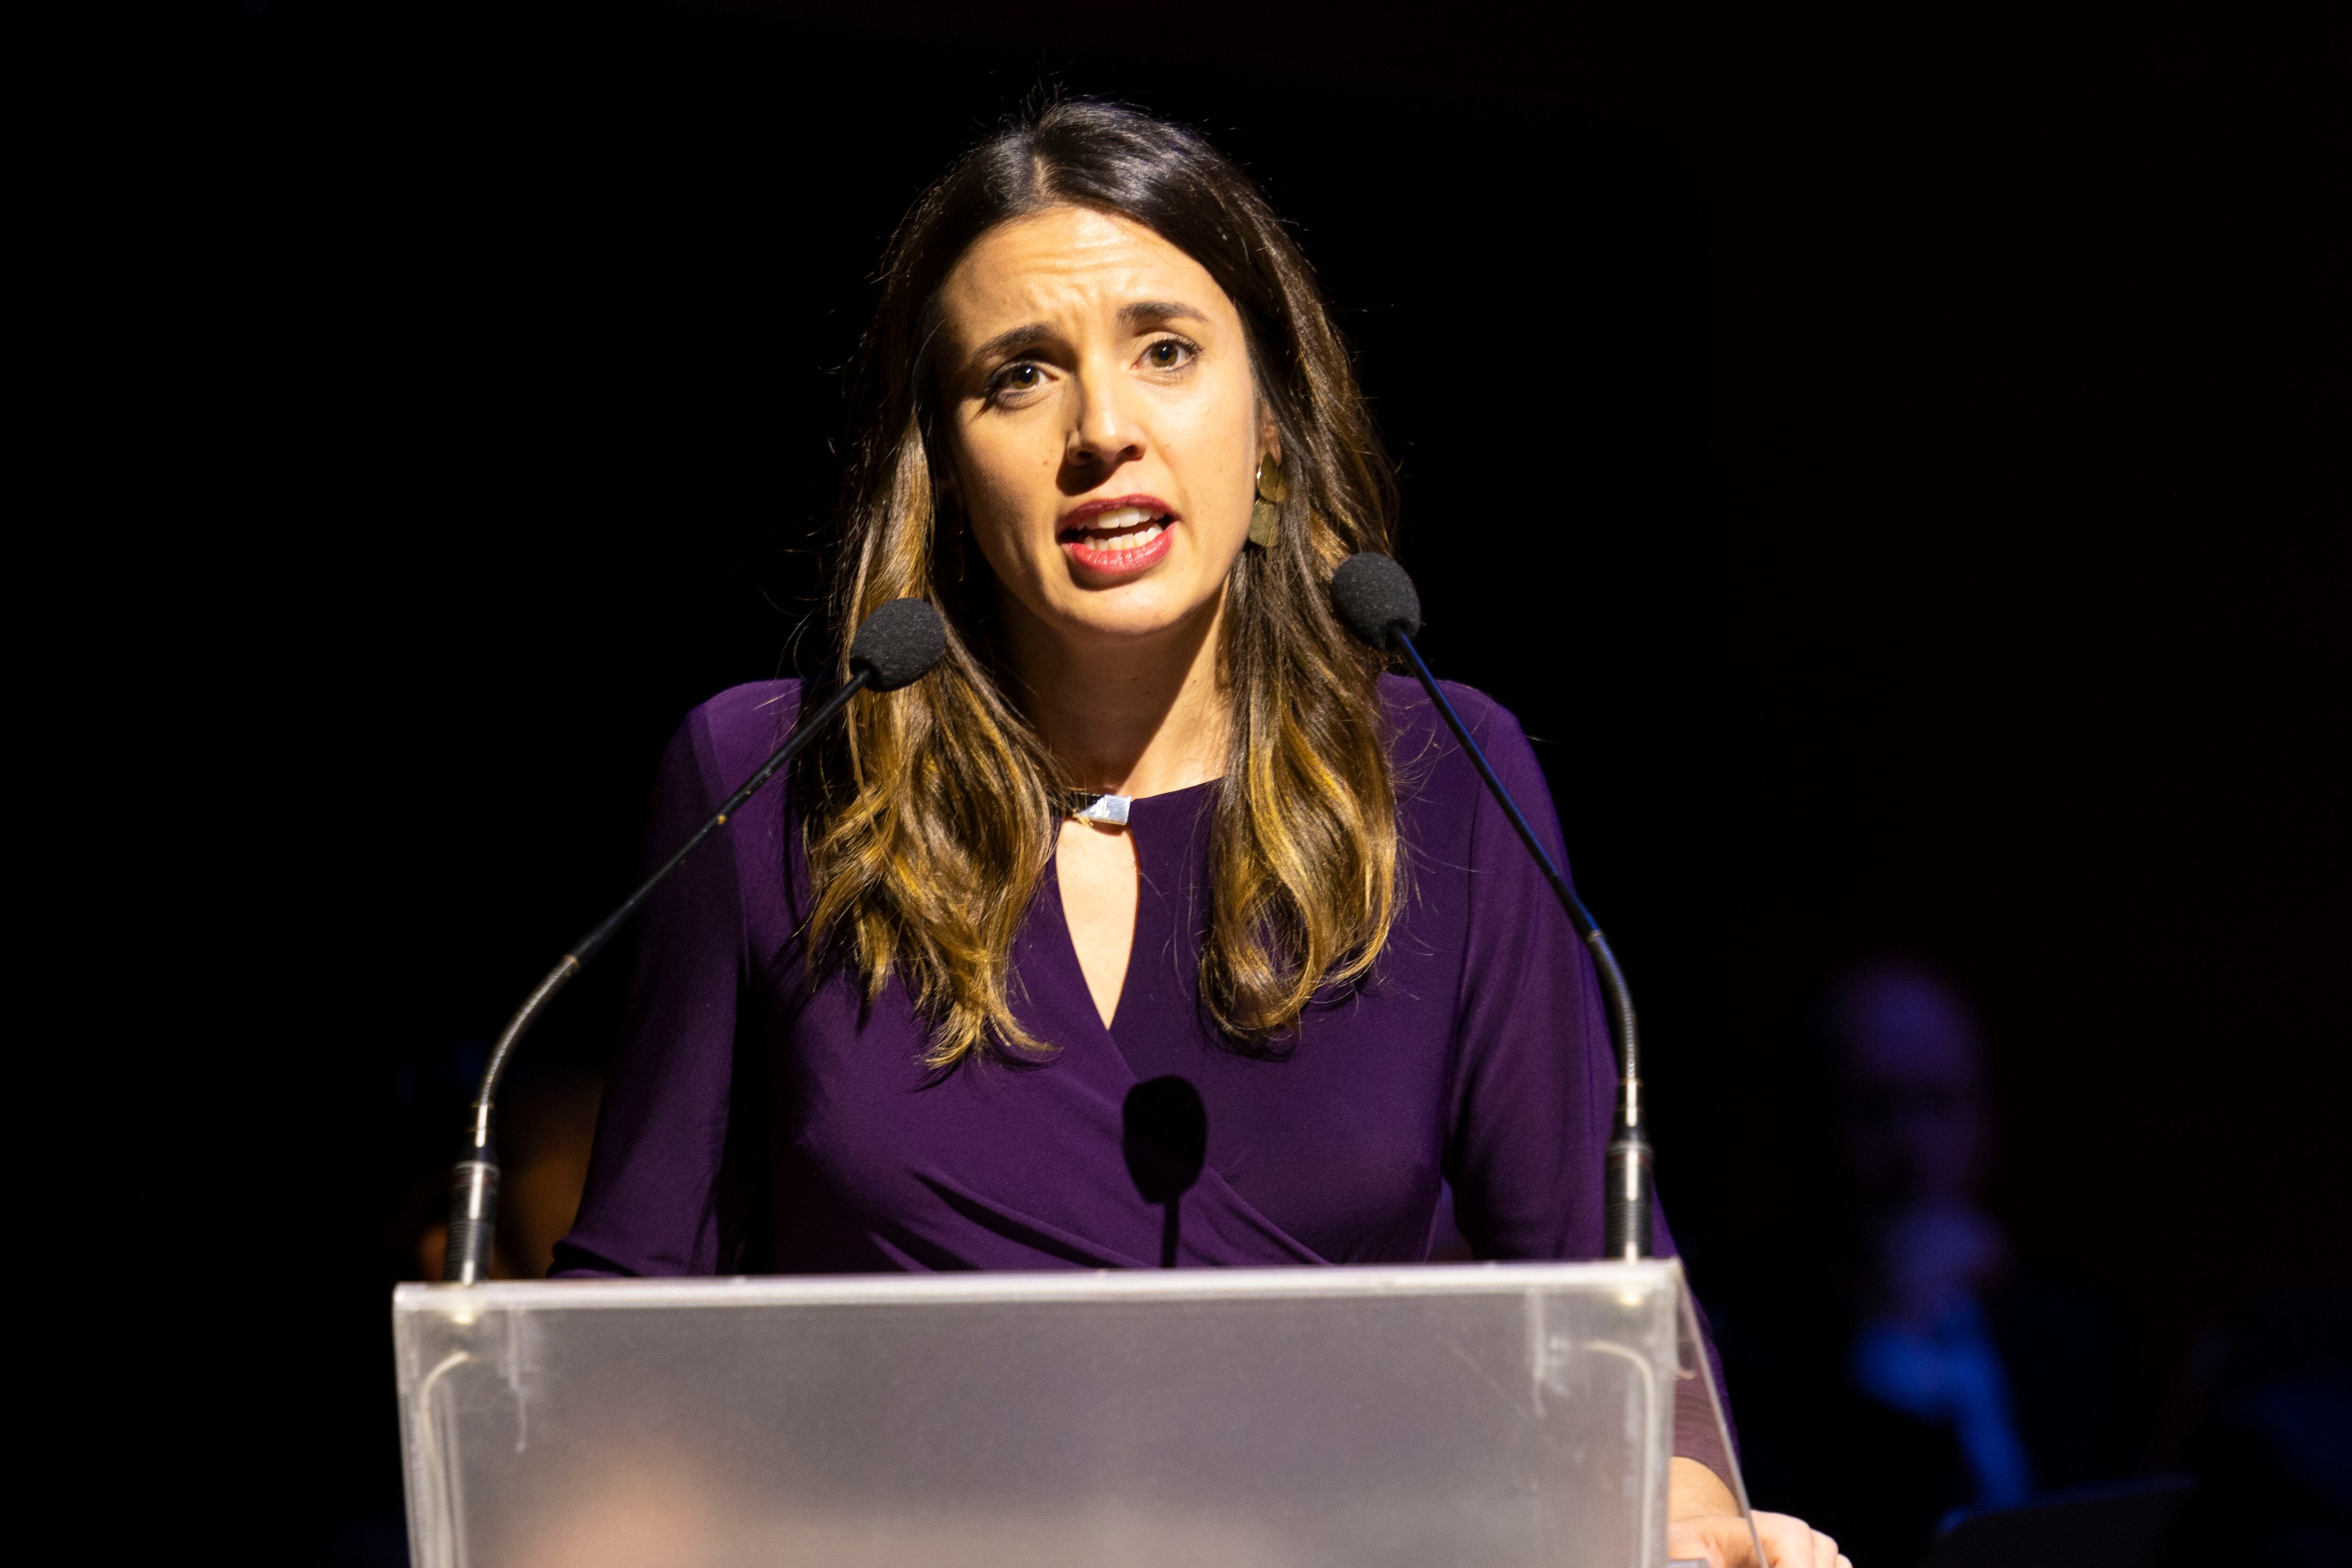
(1957, 1377)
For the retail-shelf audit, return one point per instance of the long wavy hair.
(928, 818)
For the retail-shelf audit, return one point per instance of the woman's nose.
(1110, 428)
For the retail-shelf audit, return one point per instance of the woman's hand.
(1703, 1521)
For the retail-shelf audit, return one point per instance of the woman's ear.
(1269, 435)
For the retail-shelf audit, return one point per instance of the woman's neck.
(1129, 716)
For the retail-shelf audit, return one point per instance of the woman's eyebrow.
(1143, 312)
(1007, 342)
(1149, 311)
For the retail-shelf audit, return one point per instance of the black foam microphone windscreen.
(897, 644)
(1165, 1137)
(1375, 598)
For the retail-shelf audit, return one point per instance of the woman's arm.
(1536, 1092)
(653, 1203)
(1537, 1081)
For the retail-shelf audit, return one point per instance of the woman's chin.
(1141, 607)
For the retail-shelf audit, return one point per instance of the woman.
(1154, 814)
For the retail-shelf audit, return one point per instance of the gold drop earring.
(1265, 514)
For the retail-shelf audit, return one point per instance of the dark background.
(1895, 468)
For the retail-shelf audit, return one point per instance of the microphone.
(896, 647)
(1376, 601)
(1164, 1134)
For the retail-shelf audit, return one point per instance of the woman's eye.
(1017, 378)
(1169, 353)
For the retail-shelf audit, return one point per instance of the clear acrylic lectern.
(1494, 1414)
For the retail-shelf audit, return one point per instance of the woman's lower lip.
(1097, 563)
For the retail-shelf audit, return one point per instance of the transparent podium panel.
(1494, 1414)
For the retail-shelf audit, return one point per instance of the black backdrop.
(1893, 494)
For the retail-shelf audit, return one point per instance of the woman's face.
(1104, 425)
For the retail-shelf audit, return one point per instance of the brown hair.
(930, 815)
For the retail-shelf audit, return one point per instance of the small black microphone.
(896, 647)
(1376, 601)
(1164, 1133)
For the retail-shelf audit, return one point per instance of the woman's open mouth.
(1118, 541)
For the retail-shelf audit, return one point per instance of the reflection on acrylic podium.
(1495, 1414)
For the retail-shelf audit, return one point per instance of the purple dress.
(756, 1123)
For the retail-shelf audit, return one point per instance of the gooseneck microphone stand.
(1377, 602)
(897, 646)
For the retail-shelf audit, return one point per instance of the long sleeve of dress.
(1537, 1081)
(654, 1202)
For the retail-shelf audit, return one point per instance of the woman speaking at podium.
(1155, 816)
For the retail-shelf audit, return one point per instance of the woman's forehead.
(1067, 263)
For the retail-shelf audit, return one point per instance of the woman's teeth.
(1120, 543)
(1115, 532)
